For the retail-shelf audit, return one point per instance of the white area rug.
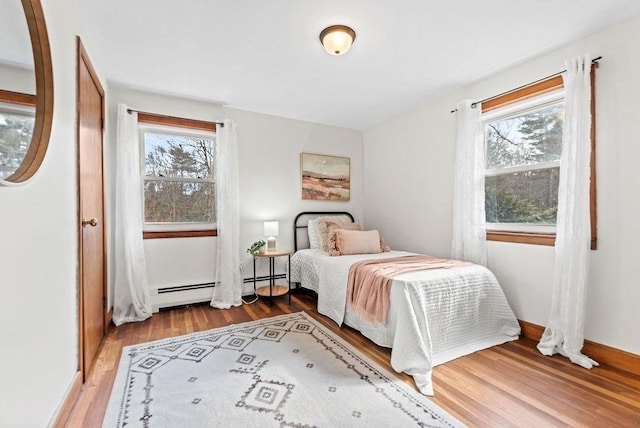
(283, 371)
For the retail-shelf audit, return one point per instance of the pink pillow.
(331, 226)
(323, 229)
(346, 242)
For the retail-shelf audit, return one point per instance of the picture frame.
(325, 177)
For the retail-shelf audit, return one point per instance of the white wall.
(38, 255)
(270, 188)
(17, 79)
(409, 182)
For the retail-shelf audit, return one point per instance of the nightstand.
(273, 290)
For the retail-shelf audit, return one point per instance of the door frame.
(83, 57)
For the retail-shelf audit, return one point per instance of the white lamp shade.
(337, 39)
(271, 228)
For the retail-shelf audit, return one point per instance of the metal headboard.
(313, 214)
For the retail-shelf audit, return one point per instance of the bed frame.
(302, 220)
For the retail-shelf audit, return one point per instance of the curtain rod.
(475, 103)
(131, 110)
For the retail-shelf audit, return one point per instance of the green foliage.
(15, 137)
(255, 247)
(503, 206)
(543, 130)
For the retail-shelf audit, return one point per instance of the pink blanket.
(369, 283)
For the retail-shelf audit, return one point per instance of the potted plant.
(256, 247)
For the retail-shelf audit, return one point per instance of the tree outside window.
(179, 185)
(522, 165)
(16, 130)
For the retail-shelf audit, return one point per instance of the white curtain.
(131, 295)
(228, 289)
(469, 235)
(565, 330)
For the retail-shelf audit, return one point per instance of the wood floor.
(507, 385)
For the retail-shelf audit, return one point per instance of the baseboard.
(603, 354)
(59, 420)
(186, 294)
(531, 331)
(108, 316)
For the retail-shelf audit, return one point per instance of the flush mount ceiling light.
(337, 39)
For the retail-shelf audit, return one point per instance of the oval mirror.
(26, 90)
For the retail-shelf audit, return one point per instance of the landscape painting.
(325, 177)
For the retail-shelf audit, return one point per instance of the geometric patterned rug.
(287, 370)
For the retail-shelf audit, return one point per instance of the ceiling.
(265, 55)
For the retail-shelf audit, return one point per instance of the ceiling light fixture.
(337, 39)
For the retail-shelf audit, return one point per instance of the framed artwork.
(325, 178)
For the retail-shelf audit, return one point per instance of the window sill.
(537, 238)
(178, 234)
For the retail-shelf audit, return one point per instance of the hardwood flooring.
(507, 385)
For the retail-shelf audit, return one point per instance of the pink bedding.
(369, 282)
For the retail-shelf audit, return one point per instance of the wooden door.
(92, 272)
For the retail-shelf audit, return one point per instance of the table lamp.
(271, 230)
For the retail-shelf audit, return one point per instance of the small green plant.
(255, 247)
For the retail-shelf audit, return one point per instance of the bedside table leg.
(289, 278)
(272, 280)
(254, 277)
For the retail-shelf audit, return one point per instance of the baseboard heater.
(213, 284)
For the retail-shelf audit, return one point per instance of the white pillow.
(314, 237)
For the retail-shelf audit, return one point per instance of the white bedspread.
(435, 315)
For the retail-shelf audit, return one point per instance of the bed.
(434, 315)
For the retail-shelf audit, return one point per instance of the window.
(179, 180)
(16, 129)
(523, 144)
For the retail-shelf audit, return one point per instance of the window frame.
(17, 98)
(148, 122)
(546, 86)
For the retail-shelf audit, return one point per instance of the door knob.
(92, 222)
